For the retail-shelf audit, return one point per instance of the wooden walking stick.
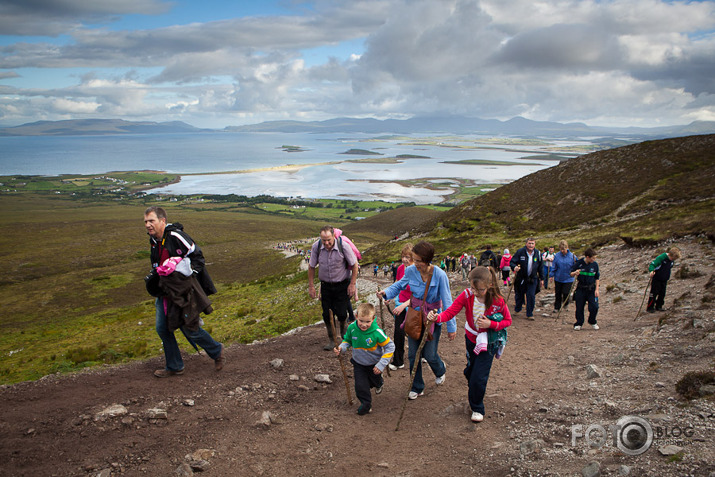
(563, 304)
(510, 286)
(382, 322)
(418, 357)
(644, 295)
(340, 358)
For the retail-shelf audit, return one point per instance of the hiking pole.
(418, 357)
(644, 295)
(340, 358)
(563, 303)
(382, 322)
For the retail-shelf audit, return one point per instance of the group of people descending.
(387, 269)
(178, 271)
(294, 246)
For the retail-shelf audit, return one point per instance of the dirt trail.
(537, 392)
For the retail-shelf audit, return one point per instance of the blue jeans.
(477, 373)
(528, 289)
(429, 352)
(546, 271)
(172, 353)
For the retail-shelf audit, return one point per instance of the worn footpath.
(269, 412)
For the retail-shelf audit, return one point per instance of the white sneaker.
(577, 328)
(440, 379)
(477, 417)
(395, 368)
(424, 360)
(413, 395)
(596, 327)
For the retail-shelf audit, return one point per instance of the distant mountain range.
(96, 127)
(464, 125)
(425, 125)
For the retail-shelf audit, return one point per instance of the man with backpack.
(488, 258)
(178, 278)
(337, 271)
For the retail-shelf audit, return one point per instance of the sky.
(218, 63)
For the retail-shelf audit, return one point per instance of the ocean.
(323, 170)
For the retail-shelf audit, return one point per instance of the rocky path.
(266, 414)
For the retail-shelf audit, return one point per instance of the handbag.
(414, 321)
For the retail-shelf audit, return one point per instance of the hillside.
(642, 193)
(259, 418)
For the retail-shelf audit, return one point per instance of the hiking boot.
(530, 318)
(440, 379)
(220, 361)
(166, 373)
(362, 410)
(331, 343)
(595, 326)
(577, 328)
(413, 395)
(477, 417)
(650, 310)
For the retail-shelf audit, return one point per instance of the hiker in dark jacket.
(169, 243)
(527, 266)
(660, 274)
(588, 280)
(488, 258)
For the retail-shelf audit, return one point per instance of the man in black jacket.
(167, 241)
(488, 258)
(527, 265)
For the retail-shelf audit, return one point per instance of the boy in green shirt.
(660, 274)
(372, 351)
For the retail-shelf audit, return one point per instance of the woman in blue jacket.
(439, 298)
(561, 271)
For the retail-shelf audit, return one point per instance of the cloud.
(618, 61)
(55, 17)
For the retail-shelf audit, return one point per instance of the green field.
(73, 292)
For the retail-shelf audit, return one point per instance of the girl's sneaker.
(477, 417)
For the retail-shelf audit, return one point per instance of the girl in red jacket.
(485, 327)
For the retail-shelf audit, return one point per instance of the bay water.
(323, 170)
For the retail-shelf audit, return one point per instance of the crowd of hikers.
(421, 301)
(419, 298)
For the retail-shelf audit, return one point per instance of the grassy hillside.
(640, 193)
(73, 294)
